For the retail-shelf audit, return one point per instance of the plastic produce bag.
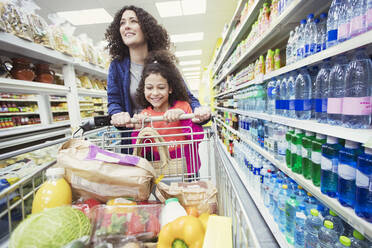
(103, 175)
(62, 32)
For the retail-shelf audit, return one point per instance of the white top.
(320, 136)
(55, 172)
(332, 140)
(368, 151)
(308, 133)
(351, 144)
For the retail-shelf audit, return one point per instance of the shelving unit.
(31, 128)
(17, 100)
(19, 113)
(345, 213)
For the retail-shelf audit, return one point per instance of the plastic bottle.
(344, 22)
(295, 45)
(267, 188)
(300, 195)
(316, 154)
(280, 141)
(322, 33)
(288, 50)
(312, 225)
(271, 96)
(363, 204)
(332, 23)
(301, 40)
(171, 211)
(358, 17)
(321, 92)
(299, 235)
(310, 33)
(296, 151)
(282, 96)
(310, 203)
(269, 63)
(288, 153)
(336, 90)
(276, 197)
(303, 94)
(306, 154)
(327, 236)
(369, 15)
(329, 164)
(54, 192)
(277, 61)
(282, 199)
(290, 214)
(338, 224)
(357, 103)
(358, 240)
(347, 173)
(291, 95)
(344, 242)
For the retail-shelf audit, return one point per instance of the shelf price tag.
(259, 79)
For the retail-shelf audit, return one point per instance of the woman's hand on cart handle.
(121, 119)
(202, 114)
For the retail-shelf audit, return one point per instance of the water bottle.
(322, 33)
(310, 33)
(363, 204)
(369, 15)
(316, 154)
(321, 92)
(282, 96)
(338, 224)
(347, 173)
(336, 91)
(267, 188)
(358, 240)
(344, 242)
(307, 141)
(344, 22)
(295, 45)
(327, 236)
(312, 225)
(271, 96)
(332, 23)
(289, 47)
(291, 95)
(301, 41)
(358, 17)
(296, 152)
(303, 95)
(288, 152)
(310, 203)
(283, 197)
(271, 193)
(300, 195)
(329, 166)
(357, 106)
(276, 197)
(280, 140)
(299, 235)
(290, 214)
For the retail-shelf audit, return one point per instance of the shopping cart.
(16, 198)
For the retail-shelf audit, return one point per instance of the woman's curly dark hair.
(156, 36)
(162, 62)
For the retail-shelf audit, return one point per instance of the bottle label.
(343, 31)
(299, 150)
(320, 105)
(303, 105)
(357, 106)
(362, 180)
(294, 149)
(291, 104)
(271, 91)
(324, 47)
(316, 157)
(369, 17)
(346, 171)
(282, 147)
(334, 105)
(326, 164)
(318, 47)
(305, 152)
(307, 49)
(278, 104)
(313, 48)
(332, 35)
(357, 24)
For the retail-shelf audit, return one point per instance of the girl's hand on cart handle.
(138, 120)
(173, 115)
(202, 113)
(121, 119)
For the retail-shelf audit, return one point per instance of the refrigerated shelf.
(30, 128)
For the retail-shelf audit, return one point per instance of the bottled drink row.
(303, 220)
(342, 169)
(337, 92)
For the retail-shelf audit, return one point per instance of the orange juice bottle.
(54, 192)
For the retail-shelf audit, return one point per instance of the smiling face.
(157, 92)
(130, 29)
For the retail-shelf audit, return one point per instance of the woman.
(131, 35)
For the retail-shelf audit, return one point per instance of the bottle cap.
(332, 140)
(368, 150)
(320, 136)
(309, 133)
(345, 241)
(55, 172)
(299, 187)
(314, 212)
(171, 200)
(328, 224)
(285, 186)
(297, 131)
(303, 21)
(309, 194)
(332, 213)
(316, 20)
(358, 235)
(323, 15)
(351, 144)
(310, 16)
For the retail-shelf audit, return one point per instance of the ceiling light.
(193, 7)
(187, 37)
(168, 9)
(192, 73)
(86, 16)
(197, 68)
(190, 62)
(188, 53)
(192, 77)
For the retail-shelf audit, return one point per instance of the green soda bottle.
(288, 138)
(277, 59)
(316, 155)
(306, 153)
(296, 151)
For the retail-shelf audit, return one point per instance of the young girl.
(162, 92)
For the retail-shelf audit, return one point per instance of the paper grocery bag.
(94, 172)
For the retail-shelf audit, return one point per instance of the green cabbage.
(51, 228)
